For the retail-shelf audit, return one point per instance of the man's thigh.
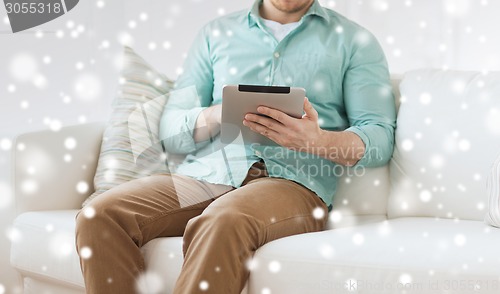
(158, 205)
(281, 207)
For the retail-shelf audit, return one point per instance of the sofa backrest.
(364, 192)
(447, 137)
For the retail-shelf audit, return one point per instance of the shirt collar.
(315, 9)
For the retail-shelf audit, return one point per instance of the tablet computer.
(238, 100)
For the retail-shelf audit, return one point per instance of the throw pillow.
(493, 187)
(130, 147)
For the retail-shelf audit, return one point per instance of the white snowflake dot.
(5, 144)
(204, 285)
(85, 252)
(358, 239)
(29, 186)
(318, 213)
(70, 143)
(405, 279)
(252, 264)
(11, 88)
(23, 67)
(82, 187)
(14, 235)
(407, 145)
(167, 45)
(437, 161)
(143, 16)
(425, 98)
(460, 240)
(464, 145)
(89, 212)
(49, 228)
(326, 250)
(149, 282)
(274, 266)
(425, 196)
(335, 216)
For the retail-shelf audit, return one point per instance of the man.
(227, 201)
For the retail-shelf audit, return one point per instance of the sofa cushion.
(44, 247)
(419, 255)
(130, 148)
(447, 137)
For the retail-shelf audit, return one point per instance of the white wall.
(41, 69)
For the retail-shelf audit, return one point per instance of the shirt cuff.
(367, 156)
(179, 137)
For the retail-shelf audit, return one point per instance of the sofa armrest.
(48, 166)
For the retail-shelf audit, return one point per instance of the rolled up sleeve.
(369, 102)
(192, 93)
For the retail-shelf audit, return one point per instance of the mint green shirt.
(339, 63)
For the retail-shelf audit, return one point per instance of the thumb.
(309, 110)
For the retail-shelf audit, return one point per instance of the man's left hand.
(300, 134)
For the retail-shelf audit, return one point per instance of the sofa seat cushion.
(44, 247)
(416, 254)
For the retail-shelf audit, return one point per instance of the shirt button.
(258, 153)
(276, 54)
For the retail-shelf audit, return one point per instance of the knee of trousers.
(225, 224)
(97, 226)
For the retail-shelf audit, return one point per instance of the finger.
(258, 128)
(309, 109)
(276, 114)
(265, 121)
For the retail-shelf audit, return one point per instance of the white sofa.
(414, 226)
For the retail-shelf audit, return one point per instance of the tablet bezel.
(238, 100)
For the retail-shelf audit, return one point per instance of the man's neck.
(268, 11)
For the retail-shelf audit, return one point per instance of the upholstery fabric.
(130, 148)
(447, 136)
(493, 185)
(382, 257)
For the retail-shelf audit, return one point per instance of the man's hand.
(300, 134)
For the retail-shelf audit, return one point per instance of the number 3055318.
(33, 8)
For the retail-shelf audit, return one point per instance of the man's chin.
(289, 6)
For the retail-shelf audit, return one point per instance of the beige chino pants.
(222, 227)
